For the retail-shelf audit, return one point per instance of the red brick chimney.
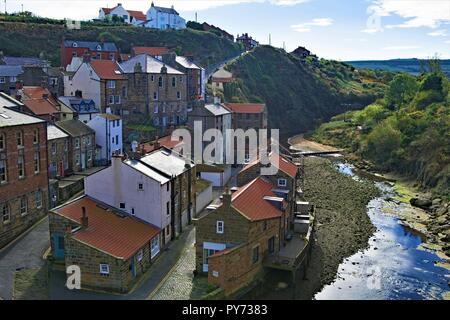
(84, 218)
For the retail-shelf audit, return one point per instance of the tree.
(400, 90)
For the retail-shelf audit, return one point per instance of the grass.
(201, 287)
(403, 193)
(31, 284)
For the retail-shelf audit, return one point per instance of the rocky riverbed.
(343, 228)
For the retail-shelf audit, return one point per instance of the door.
(83, 160)
(271, 245)
(58, 246)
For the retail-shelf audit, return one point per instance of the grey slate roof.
(9, 117)
(187, 63)
(10, 71)
(166, 161)
(148, 63)
(79, 105)
(147, 171)
(74, 128)
(53, 132)
(91, 45)
(23, 61)
(217, 109)
(166, 10)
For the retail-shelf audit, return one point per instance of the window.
(38, 199)
(140, 255)
(122, 205)
(89, 140)
(23, 205)
(112, 140)
(168, 208)
(160, 82)
(132, 212)
(111, 55)
(219, 227)
(89, 157)
(21, 166)
(152, 78)
(178, 95)
(77, 159)
(77, 143)
(117, 99)
(3, 171)
(36, 136)
(111, 99)
(140, 186)
(255, 255)
(174, 82)
(155, 95)
(4, 210)
(53, 147)
(36, 162)
(2, 141)
(2, 80)
(118, 123)
(154, 246)
(19, 139)
(282, 182)
(167, 230)
(168, 187)
(124, 92)
(111, 84)
(104, 269)
(117, 139)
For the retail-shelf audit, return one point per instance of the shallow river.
(394, 266)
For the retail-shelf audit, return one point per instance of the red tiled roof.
(106, 69)
(284, 164)
(138, 15)
(153, 51)
(108, 10)
(120, 237)
(246, 107)
(165, 141)
(124, 56)
(249, 200)
(33, 98)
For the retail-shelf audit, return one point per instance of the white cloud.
(370, 30)
(401, 48)
(437, 33)
(318, 22)
(417, 13)
(447, 41)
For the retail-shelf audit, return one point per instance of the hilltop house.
(156, 188)
(112, 248)
(23, 169)
(118, 13)
(93, 49)
(108, 135)
(164, 18)
(247, 41)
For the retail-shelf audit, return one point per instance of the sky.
(333, 29)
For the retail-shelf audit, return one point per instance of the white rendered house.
(108, 135)
(164, 18)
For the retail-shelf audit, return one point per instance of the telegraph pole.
(270, 40)
(196, 17)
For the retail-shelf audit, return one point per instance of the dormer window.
(282, 182)
(75, 45)
(99, 48)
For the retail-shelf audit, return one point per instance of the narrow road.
(25, 253)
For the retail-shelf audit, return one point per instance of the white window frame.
(111, 99)
(5, 213)
(282, 182)
(2, 141)
(77, 143)
(140, 255)
(6, 171)
(140, 186)
(21, 166)
(220, 227)
(154, 247)
(104, 269)
(38, 199)
(25, 207)
(2, 80)
(36, 161)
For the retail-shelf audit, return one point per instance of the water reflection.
(392, 267)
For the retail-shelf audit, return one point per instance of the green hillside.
(32, 39)
(300, 93)
(407, 131)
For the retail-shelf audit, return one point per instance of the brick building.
(81, 144)
(247, 41)
(58, 151)
(112, 249)
(233, 239)
(23, 170)
(155, 90)
(95, 50)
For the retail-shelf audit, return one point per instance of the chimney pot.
(84, 218)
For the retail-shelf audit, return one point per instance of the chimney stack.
(226, 198)
(84, 218)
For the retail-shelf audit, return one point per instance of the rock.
(436, 201)
(441, 210)
(420, 202)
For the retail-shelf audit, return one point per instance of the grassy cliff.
(34, 39)
(300, 92)
(407, 131)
